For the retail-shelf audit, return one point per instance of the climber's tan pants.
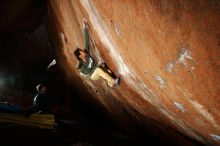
(100, 73)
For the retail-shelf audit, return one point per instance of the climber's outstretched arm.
(86, 36)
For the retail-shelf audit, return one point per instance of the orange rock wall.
(167, 53)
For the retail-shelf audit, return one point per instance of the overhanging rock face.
(166, 52)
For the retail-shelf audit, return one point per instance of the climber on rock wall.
(88, 67)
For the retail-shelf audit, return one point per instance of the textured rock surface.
(167, 53)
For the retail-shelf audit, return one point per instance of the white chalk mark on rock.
(200, 109)
(179, 106)
(170, 67)
(117, 29)
(215, 137)
(161, 81)
(63, 37)
(184, 55)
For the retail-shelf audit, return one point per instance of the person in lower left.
(41, 103)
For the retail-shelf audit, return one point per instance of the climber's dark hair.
(77, 53)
